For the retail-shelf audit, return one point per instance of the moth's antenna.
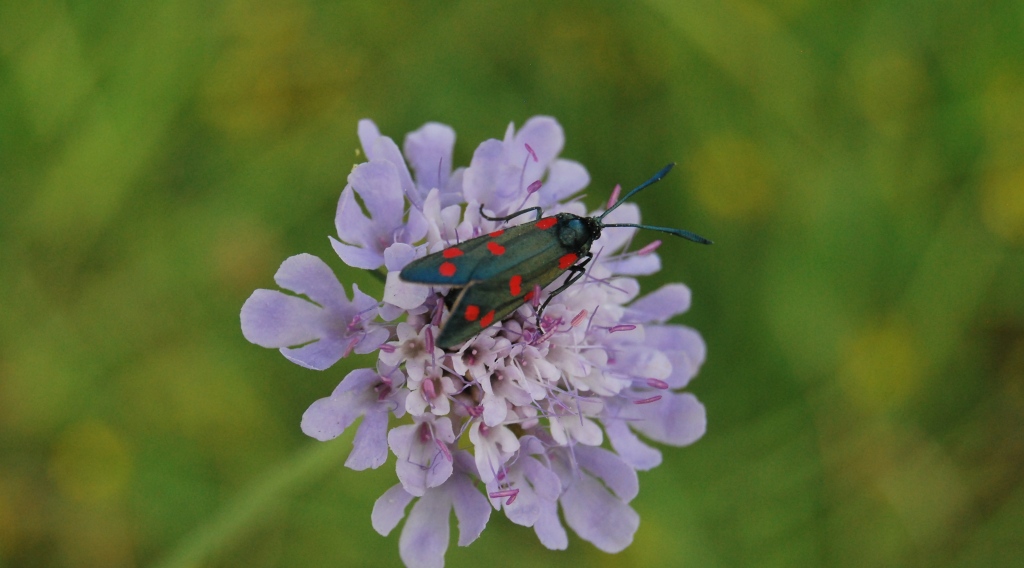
(654, 179)
(677, 232)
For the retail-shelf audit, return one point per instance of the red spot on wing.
(487, 319)
(451, 252)
(447, 269)
(546, 223)
(515, 285)
(567, 260)
(472, 312)
(528, 296)
(495, 248)
(497, 233)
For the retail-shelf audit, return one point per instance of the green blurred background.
(859, 164)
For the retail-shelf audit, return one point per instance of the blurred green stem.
(251, 505)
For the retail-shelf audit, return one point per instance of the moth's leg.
(509, 217)
(576, 272)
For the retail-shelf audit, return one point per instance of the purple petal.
(678, 419)
(424, 538)
(377, 184)
(321, 354)
(429, 150)
(549, 528)
(383, 148)
(610, 469)
(349, 220)
(370, 445)
(565, 178)
(546, 137)
(684, 347)
(368, 135)
(328, 417)
(421, 464)
(597, 516)
(635, 265)
(273, 319)
(307, 274)
(471, 508)
(357, 257)
(614, 238)
(629, 447)
(660, 305)
(389, 509)
(484, 176)
(372, 341)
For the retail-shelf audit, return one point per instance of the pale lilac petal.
(635, 265)
(328, 417)
(565, 178)
(421, 464)
(372, 340)
(678, 419)
(684, 347)
(370, 445)
(368, 135)
(350, 222)
(424, 538)
(273, 319)
(321, 354)
(307, 274)
(614, 238)
(660, 305)
(357, 257)
(484, 176)
(549, 527)
(377, 184)
(597, 516)
(637, 454)
(546, 137)
(471, 509)
(611, 470)
(429, 151)
(389, 509)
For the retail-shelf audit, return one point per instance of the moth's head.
(575, 232)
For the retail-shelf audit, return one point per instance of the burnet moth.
(494, 274)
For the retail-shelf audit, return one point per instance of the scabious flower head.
(525, 419)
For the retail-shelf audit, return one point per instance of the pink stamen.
(576, 321)
(535, 300)
(510, 493)
(533, 187)
(649, 248)
(428, 389)
(430, 342)
(444, 449)
(387, 348)
(348, 348)
(614, 197)
(532, 153)
(621, 327)
(654, 398)
(657, 384)
(475, 411)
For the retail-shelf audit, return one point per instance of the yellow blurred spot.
(1002, 204)
(732, 177)
(274, 73)
(890, 90)
(90, 463)
(881, 367)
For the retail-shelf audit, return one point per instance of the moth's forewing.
(477, 259)
(483, 303)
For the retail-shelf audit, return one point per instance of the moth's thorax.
(575, 232)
